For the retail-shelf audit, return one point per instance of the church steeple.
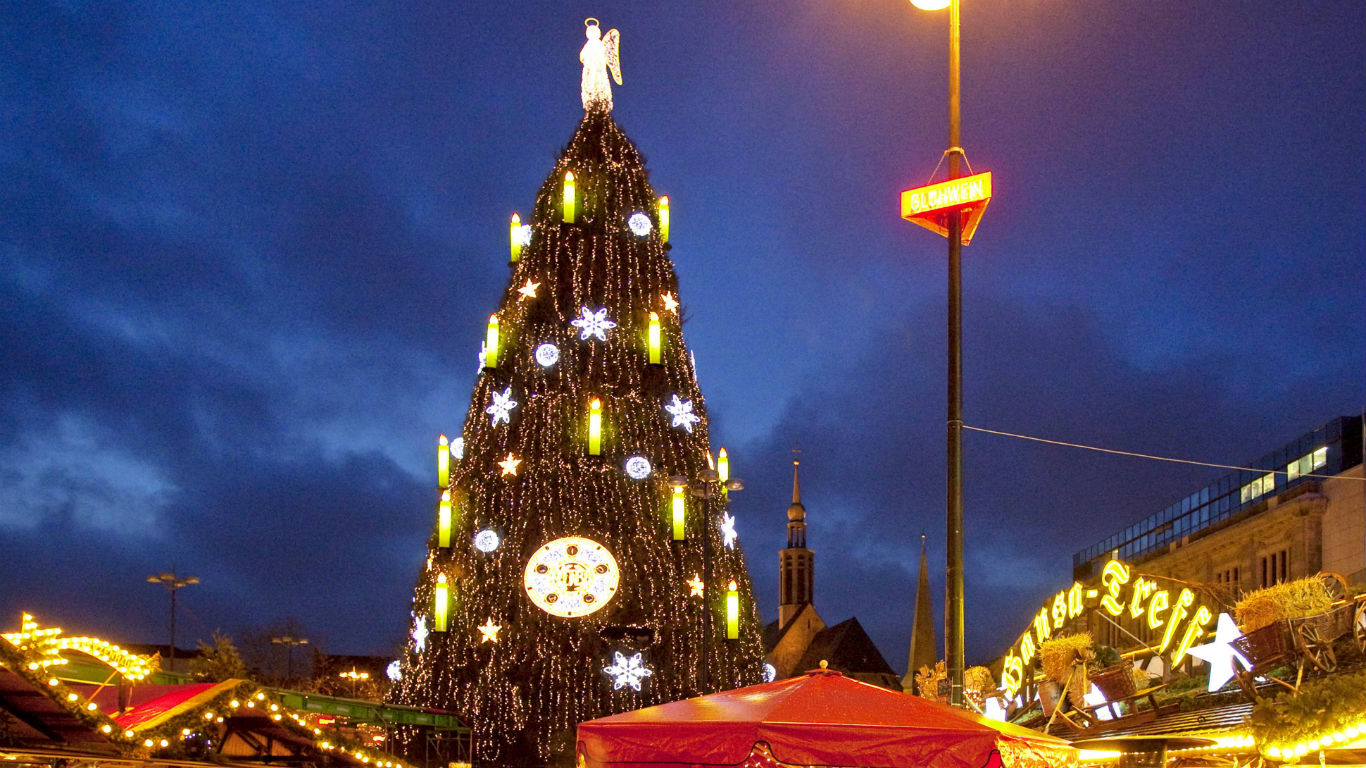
(796, 562)
(923, 651)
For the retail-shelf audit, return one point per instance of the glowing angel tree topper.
(568, 540)
(599, 55)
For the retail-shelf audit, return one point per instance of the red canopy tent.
(821, 718)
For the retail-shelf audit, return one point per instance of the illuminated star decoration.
(482, 353)
(489, 631)
(670, 303)
(696, 584)
(528, 291)
(420, 634)
(728, 534)
(501, 407)
(1220, 654)
(626, 672)
(593, 324)
(681, 410)
(509, 465)
(1094, 699)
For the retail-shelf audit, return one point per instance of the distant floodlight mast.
(173, 584)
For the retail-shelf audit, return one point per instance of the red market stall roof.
(818, 719)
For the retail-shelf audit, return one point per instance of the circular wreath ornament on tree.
(571, 577)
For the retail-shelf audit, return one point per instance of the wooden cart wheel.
(1246, 680)
(1359, 625)
(1316, 646)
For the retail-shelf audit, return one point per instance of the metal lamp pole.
(953, 605)
(173, 584)
(290, 643)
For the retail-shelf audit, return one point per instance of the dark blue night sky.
(248, 250)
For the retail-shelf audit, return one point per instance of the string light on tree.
(624, 671)
(593, 324)
(509, 464)
(681, 411)
(638, 467)
(547, 355)
(640, 224)
(500, 408)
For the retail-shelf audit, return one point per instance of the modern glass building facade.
(1328, 450)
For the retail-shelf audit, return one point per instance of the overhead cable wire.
(1156, 458)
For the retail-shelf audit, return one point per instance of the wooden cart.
(1301, 644)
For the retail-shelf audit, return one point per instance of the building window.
(1307, 463)
(1262, 485)
(1276, 568)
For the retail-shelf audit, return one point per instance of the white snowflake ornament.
(501, 407)
(593, 324)
(681, 410)
(626, 672)
(728, 534)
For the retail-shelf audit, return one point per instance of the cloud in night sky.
(247, 252)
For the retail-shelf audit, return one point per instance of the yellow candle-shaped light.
(655, 344)
(664, 218)
(443, 462)
(678, 513)
(570, 204)
(723, 470)
(595, 428)
(732, 612)
(491, 343)
(515, 235)
(443, 520)
(440, 601)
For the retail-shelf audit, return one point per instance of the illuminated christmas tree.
(570, 574)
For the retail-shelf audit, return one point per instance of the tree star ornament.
(695, 583)
(728, 534)
(670, 303)
(626, 672)
(509, 464)
(1220, 654)
(593, 324)
(501, 407)
(599, 55)
(420, 634)
(489, 631)
(528, 291)
(681, 410)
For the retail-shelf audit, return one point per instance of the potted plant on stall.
(1112, 674)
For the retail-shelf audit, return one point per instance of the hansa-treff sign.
(1176, 621)
(929, 206)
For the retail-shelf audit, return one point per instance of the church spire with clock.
(796, 577)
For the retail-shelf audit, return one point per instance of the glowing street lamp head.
(931, 5)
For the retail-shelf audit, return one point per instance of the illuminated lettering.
(1074, 601)
(1194, 630)
(1027, 647)
(1142, 588)
(1012, 675)
(1114, 577)
(1179, 612)
(1059, 610)
(1155, 607)
(1042, 629)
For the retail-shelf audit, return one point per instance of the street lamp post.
(706, 486)
(173, 584)
(290, 644)
(953, 606)
(355, 678)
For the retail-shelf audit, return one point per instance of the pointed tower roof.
(796, 513)
(923, 651)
